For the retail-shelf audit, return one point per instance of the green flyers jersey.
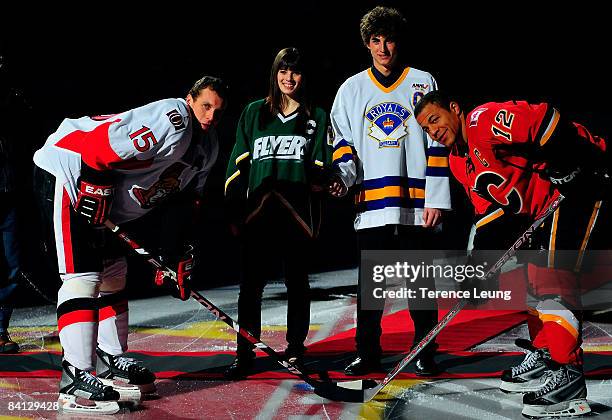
(278, 155)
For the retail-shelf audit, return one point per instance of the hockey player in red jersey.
(513, 159)
(135, 160)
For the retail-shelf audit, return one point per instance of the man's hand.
(431, 217)
(180, 287)
(337, 188)
(94, 196)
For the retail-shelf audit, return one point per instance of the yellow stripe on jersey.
(318, 163)
(341, 151)
(391, 191)
(489, 218)
(587, 235)
(230, 179)
(551, 127)
(416, 192)
(385, 192)
(394, 85)
(241, 157)
(553, 239)
(437, 161)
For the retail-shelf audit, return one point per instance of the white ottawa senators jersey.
(149, 150)
(379, 146)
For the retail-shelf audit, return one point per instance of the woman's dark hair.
(288, 59)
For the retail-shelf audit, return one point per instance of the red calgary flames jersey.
(497, 169)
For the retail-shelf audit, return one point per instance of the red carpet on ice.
(468, 329)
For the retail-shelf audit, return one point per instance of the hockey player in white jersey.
(133, 160)
(400, 175)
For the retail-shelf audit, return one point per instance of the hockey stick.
(368, 394)
(351, 391)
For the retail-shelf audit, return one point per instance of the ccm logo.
(98, 191)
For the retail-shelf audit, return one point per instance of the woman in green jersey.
(274, 177)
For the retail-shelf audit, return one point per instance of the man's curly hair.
(385, 21)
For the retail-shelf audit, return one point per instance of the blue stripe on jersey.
(437, 171)
(387, 181)
(437, 151)
(345, 158)
(342, 143)
(403, 202)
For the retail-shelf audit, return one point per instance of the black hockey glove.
(94, 195)
(580, 182)
(180, 284)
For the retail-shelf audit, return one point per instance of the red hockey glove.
(95, 195)
(180, 286)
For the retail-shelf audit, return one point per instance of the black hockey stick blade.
(359, 391)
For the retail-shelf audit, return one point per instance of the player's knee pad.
(114, 276)
(79, 285)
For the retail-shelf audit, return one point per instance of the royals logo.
(388, 123)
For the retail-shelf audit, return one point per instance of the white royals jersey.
(379, 146)
(149, 150)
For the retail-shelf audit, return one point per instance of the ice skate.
(563, 395)
(126, 375)
(82, 393)
(526, 376)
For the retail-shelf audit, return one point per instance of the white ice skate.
(526, 376)
(81, 392)
(563, 395)
(126, 375)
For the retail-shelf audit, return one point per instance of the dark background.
(75, 62)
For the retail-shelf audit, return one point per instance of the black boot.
(362, 365)
(240, 368)
(7, 345)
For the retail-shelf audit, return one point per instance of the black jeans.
(270, 237)
(369, 331)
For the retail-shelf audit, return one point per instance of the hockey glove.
(179, 282)
(94, 195)
(576, 181)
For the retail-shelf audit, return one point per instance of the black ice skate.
(124, 374)
(81, 392)
(526, 376)
(563, 395)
